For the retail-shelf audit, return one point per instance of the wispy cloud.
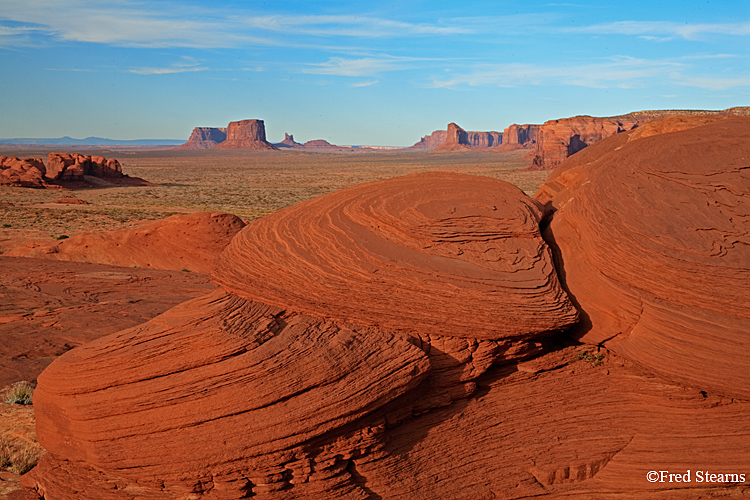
(185, 65)
(352, 26)
(365, 66)
(663, 30)
(622, 72)
(365, 84)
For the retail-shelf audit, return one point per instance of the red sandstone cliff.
(204, 138)
(246, 134)
(455, 137)
(558, 139)
(521, 135)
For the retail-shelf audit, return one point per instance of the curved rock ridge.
(437, 254)
(186, 241)
(654, 236)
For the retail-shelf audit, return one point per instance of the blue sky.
(382, 73)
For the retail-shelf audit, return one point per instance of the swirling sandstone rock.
(246, 134)
(654, 239)
(190, 241)
(441, 254)
(339, 319)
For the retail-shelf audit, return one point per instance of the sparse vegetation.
(19, 393)
(591, 358)
(19, 460)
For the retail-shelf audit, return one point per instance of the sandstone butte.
(186, 241)
(653, 233)
(246, 134)
(204, 138)
(410, 339)
(457, 139)
(288, 142)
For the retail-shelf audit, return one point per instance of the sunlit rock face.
(653, 233)
(338, 319)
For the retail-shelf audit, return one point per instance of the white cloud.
(185, 65)
(365, 66)
(350, 25)
(365, 84)
(622, 72)
(664, 30)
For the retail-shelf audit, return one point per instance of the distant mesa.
(204, 138)
(320, 144)
(457, 139)
(64, 169)
(246, 134)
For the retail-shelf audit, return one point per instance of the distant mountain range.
(93, 141)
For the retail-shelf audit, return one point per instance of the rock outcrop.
(288, 142)
(294, 377)
(190, 241)
(319, 144)
(74, 166)
(653, 235)
(431, 141)
(558, 139)
(204, 138)
(246, 134)
(22, 173)
(455, 138)
(521, 135)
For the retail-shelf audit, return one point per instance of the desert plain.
(391, 324)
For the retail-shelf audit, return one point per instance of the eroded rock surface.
(654, 238)
(74, 166)
(22, 173)
(180, 242)
(338, 318)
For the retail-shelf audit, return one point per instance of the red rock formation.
(178, 242)
(246, 134)
(415, 237)
(653, 235)
(204, 138)
(456, 138)
(288, 142)
(22, 173)
(431, 141)
(521, 135)
(339, 318)
(558, 139)
(74, 166)
(320, 144)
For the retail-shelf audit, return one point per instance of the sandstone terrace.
(249, 184)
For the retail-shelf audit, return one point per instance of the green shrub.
(20, 393)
